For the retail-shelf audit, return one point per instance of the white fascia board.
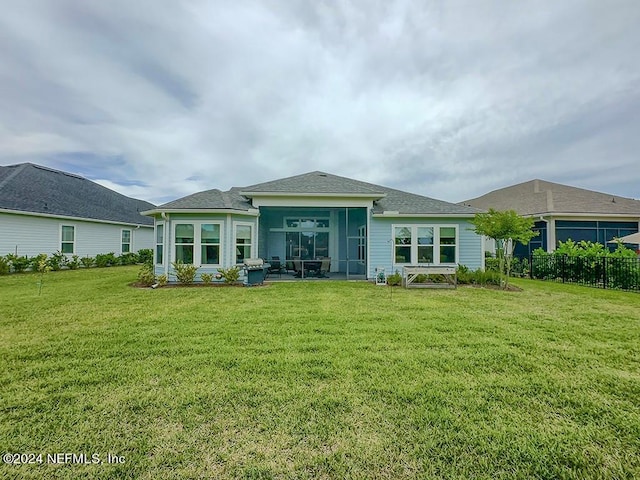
(67, 217)
(157, 211)
(373, 196)
(313, 201)
(388, 214)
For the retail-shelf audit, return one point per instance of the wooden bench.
(409, 275)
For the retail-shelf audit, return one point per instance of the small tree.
(506, 228)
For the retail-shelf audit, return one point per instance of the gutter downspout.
(542, 219)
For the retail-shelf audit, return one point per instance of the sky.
(448, 99)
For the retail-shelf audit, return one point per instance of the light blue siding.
(381, 251)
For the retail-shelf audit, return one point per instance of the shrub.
(58, 260)
(146, 275)
(128, 258)
(206, 278)
(18, 263)
(230, 274)
(394, 279)
(74, 263)
(492, 264)
(35, 261)
(87, 262)
(162, 280)
(463, 274)
(106, 259)
(145, 255)
(185, 272)
(5, 266)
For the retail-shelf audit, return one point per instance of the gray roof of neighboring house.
(538, 197)
(33, 188)
(387, 199)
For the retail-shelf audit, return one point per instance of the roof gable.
(27, 187)
(538, 197)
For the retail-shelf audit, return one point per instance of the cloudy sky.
(448, 99)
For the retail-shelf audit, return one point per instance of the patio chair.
(275, 266)
(297, 267)
(325, 265)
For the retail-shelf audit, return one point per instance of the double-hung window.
(210, 244)
(243, 242)
(159, 243)
(125, 241)
(67, 239)
(184, 241)
(425, 244)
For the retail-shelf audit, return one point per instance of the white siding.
(470, 250)
(31, 235)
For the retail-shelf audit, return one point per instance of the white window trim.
(197, 240)
(414, 243)
(123, 242)
(155, 243)
(75, 236)
(235, 239)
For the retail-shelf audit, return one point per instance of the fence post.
(564, 266)
(604, 272)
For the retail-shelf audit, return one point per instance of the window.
(210, 244)
(425, 244)
(184, 241)
(125, 246)
(307, 237)
(198, 243)
(243, 242)
(159, 243)
(68, 239)
(447, 244)
(403, 244)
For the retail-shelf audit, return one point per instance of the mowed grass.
(318, 380)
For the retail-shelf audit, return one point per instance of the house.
(44, 211)
(360, 226)
(563, 212)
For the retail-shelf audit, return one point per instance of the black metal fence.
(602, 272)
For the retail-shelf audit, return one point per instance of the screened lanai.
(310, 233)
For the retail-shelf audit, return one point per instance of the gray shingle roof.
(316, 182)
(538, 197)
(210, 200)
(386, 199)
(33, 188)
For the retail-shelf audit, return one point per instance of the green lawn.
(318, 380)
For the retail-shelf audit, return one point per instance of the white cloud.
(447, 99)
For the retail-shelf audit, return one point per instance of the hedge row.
(12, 263)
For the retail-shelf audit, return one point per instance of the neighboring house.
(563, 212)
(359, 225)
(44, 211)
